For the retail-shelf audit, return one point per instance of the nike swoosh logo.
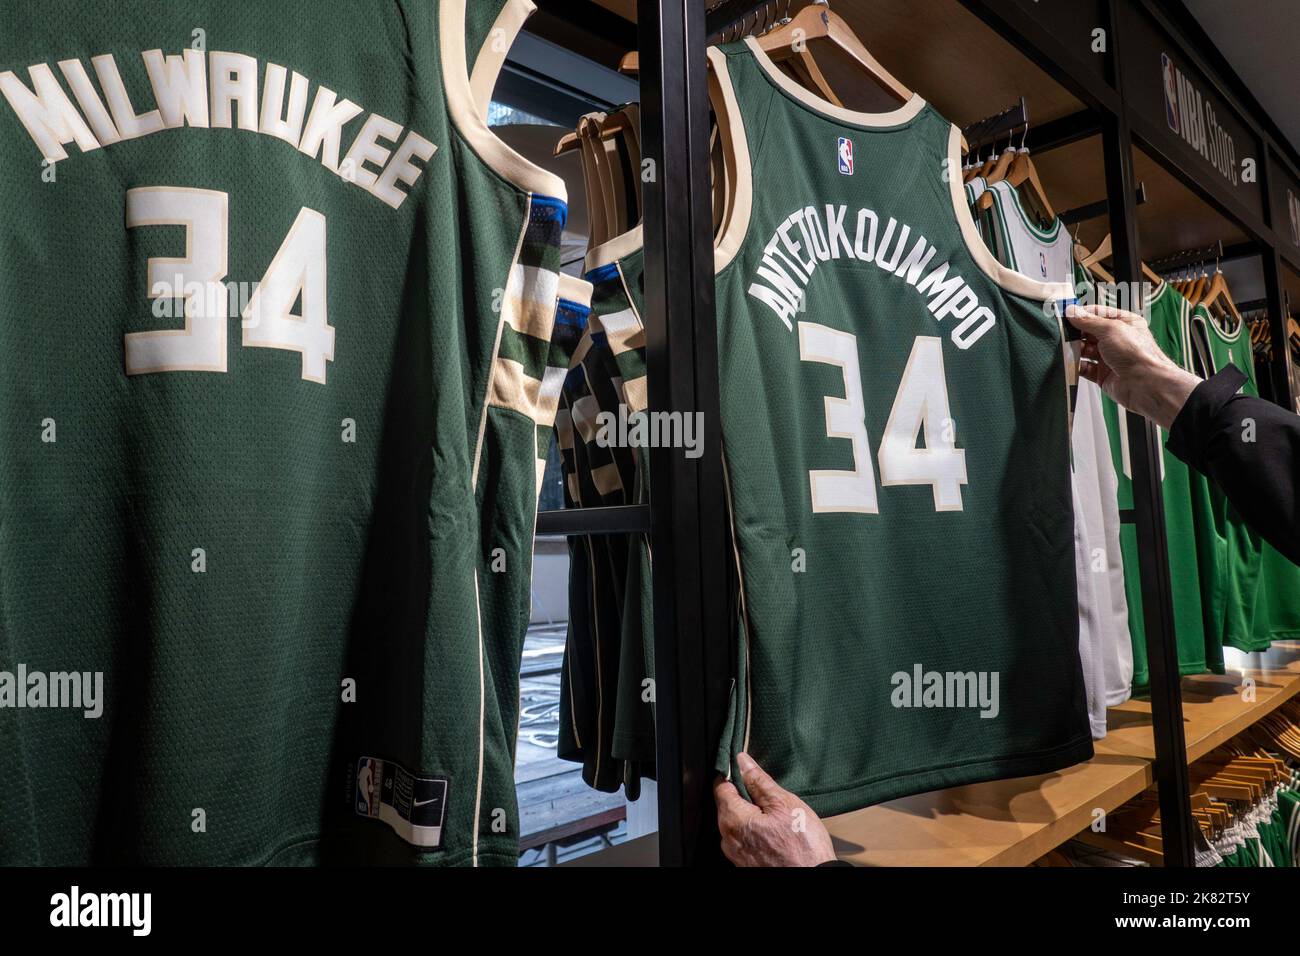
(420, 803)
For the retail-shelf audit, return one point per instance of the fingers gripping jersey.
(894, 424)
(286, 308)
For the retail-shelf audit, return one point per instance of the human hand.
(1122, 356)
(777, 829)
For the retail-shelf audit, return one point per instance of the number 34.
(196, 278)
(921, 403)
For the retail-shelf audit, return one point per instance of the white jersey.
(1047, 254)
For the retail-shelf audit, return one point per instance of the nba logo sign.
(846, 156)
(1170, 75)
(1042, 264)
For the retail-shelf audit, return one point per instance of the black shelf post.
(1174, 790)
(693, 664)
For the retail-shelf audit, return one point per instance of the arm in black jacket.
(1251, 449)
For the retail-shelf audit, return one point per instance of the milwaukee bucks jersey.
(278, 313)
(894, 425)
(616, 270)
(1230, 550)
(1167, 314)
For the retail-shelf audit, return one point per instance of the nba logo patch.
(369, 778)
(1042, 264)
(846, 156)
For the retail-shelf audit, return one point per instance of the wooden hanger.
(1000, 169)
(819, 22)
(1196, 288)
(816, 21)
(1092, 262)
(1082, 255)
(1095, 258)
(1218, 294)
(989, 164)
(632, 143)
(810, 76)
(1023, 173)
(599, 229)
(612, 125)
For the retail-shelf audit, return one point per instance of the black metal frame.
(686, 517)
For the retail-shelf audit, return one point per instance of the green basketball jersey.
(894, 425)
(616, 271)
(278, 316)
(1231, 551)
(1288, 805)
(1183, 491)
(1280, 601)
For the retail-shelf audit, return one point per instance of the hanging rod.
(1094, 210)
(995, 127)
(1188, 257)
(730, 20)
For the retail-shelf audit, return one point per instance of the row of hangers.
(1199, 288)
(610, 152)
(1225, 784)
(786, 41)
(1013, 166)
(610, 141)
(1093, 261)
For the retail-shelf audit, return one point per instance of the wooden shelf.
(1214, 709)
(1014, 822)
(999, 823)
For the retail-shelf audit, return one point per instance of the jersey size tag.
(413, 806)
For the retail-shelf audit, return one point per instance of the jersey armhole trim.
(735, 150)
(736, 159)
(464, 110)
(1010, 280)
(491, 58)
(615, 249)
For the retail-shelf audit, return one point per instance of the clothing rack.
(732, 19)
(1095, 210)
(687, 511)
(992, 129)
(1188, 258)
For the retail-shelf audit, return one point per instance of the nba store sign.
(1192, 117)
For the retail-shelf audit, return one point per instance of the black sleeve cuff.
(1194, 426)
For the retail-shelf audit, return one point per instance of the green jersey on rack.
(1167, 315)
(278, 322)
(1230, 552)
(894, 424)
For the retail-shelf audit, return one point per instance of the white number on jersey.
(299, 266)
(196, 279)
(845, 418)
(920, 403)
